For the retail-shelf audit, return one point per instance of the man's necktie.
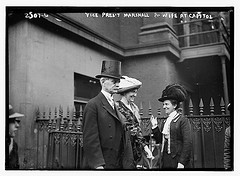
(111, 101)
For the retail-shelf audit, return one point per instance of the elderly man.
(12, 161)
(102, 125)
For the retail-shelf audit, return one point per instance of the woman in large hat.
(128, 88)
(174, 133)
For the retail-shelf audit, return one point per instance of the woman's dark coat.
(137, 140)
(180, 139)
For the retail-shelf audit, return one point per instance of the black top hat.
(111, 69)
(174, 92)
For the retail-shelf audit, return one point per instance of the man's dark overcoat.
(12, 162)
(102, 135)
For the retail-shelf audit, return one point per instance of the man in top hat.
(102, 126)
(12, 161)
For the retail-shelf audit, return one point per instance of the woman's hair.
(175, 102)
(127, 91)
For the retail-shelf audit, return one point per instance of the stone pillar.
(186, 30)
(225, 85)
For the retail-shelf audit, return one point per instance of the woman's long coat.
(137, 141)
(180, 139)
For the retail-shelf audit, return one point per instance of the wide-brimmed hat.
(174, 92)
(128, 83)
(111, 69)
(13, 114)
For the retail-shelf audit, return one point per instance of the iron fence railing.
(59, 143)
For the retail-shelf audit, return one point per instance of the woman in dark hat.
(174, 133)
(128, 88)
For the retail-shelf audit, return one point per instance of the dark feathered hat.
(174, 92)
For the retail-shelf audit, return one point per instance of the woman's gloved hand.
(180, 166)
(149, 153)
(153, 121)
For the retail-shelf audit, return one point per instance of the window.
(85, 88)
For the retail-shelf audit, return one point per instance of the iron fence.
(59, 143)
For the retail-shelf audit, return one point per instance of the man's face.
(110, 85)
(13, 127)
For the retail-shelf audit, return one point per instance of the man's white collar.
(106, 94)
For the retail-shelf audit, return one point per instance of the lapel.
(120, 115)
(173, 121)
(108, 107)
(125, 108)
(176, 118)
